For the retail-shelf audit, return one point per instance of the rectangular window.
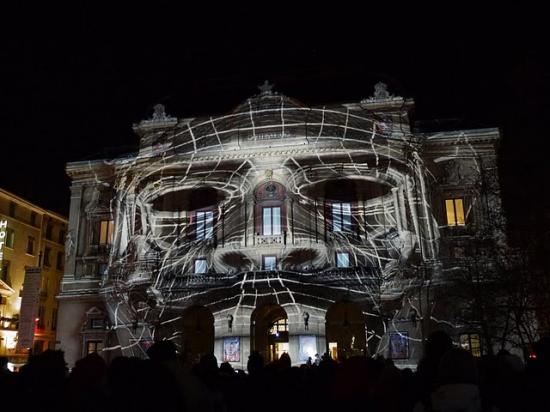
(271, 221)
(205, 225)
(49, 229)
(97, 323)
(33, 218)
(455, 212)
(10, 237)
(472, 343)
(341, 217)
(94, 346)
(342, 260)
(47, 252)
(270, 263)
(59, 262)
(200, 266)
(13, 206)
(41, 321)
(61, 238)
(30, 245)
(54, 319)
(105, 232)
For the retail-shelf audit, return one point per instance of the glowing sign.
(3, 227)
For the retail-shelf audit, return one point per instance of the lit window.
(455, 212)
(472, 343)
(342, 259)
(105, 232)
(10, 237)
(205, 225)
(200, 266)
(270, 263)
(93, 346)
(271, 222)
(280, 325)
(341, 217)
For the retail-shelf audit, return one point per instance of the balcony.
(270, 239)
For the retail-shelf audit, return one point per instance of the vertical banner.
(3, 228)
(30, 300)
(232, 349)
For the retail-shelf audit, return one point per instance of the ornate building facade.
(277, 227)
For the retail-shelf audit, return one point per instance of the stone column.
(396, 207)
(72, 243)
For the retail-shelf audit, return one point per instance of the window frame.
(46, 256)
(452, 213)
(10, 238)
(345, 221)
(105, 237)
(206, 231)
(271, 221)
(205, 266)
(264, 257)
(476, 351)
(337, 260)
(31, 241)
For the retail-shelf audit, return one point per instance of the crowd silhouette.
(447, 379)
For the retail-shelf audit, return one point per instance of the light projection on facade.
(232, 228)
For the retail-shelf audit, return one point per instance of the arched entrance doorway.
(345, 330)
(197, 332)
(269, 331)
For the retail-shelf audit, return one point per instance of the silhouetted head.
(284, 361)
(255, 363)
(208, 365)
(437, 344)
(162, 351)
(457, 366)
(226, 369)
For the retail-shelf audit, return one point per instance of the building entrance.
(269, 331)
(345, 328)
(197, 332)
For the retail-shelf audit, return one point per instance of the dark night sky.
(74, 80)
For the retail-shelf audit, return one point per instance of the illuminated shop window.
(200, 266)
(106, 232)
(10, 237)
(341, 217)
(455, 212)
(94, 346)
(270, 263)
(271, 221)
(472, 343)
(205, 225)
(342, 260)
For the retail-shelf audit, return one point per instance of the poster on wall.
(399, 345)
(232, 349)
(308, 348)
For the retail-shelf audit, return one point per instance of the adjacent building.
(279, 227)
(31, 239)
